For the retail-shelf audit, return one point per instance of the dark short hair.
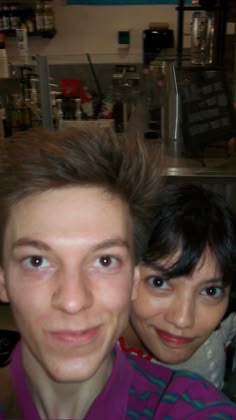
(189, 219)
(41, 160)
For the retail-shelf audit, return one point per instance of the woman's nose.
(181, 313)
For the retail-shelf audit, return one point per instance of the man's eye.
(106, 261)
(36, 262)
(213, 291)
(157, 281)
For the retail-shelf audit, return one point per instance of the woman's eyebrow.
(213, 280)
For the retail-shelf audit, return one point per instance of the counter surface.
(218, 164)
(217, 171)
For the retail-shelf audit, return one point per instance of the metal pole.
(180, 29)
(44, 92)
(221, 20)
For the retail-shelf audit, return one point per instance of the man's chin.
(68, 374)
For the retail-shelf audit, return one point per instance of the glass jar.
(202, 39)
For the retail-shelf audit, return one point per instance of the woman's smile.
(173, 340)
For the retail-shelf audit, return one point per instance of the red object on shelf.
(71, 87)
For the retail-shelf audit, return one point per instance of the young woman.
(182, 315)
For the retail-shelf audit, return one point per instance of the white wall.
(93, 30)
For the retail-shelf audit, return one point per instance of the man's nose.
(73, 291)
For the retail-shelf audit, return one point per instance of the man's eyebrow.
(24, 241)
(109, 243)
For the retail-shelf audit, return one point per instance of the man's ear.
(3, 290)
(137, 277)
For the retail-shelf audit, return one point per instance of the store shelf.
(44, 34)
(37, 18)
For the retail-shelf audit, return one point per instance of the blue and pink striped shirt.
(139, 390)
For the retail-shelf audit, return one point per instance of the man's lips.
(173, 339)
(75, 337)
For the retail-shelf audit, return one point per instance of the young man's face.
(68, 273)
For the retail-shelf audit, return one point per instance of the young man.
(75, 212)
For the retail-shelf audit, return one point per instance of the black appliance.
(155, 40)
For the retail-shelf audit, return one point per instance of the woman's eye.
(213, 291)
(106, 261)
(36, 262)
(156, 281)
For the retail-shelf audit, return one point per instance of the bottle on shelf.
(34, 89)
(6, 18)
(118, 114)
(39, 16)
(30, 99)
(2, 118)
(202, 41)
(36, 114)
(1, 18)
(22, 43)
(14, 16)
(60, 113)
(4, 67)
(48, 18)
(15, 112)
(54, 110)
(5, 123)
(26, 114)
(78, 112)
(29, 20)
(34, 102)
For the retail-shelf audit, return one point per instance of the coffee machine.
(156, 41)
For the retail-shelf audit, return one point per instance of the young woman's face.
(173, 318)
